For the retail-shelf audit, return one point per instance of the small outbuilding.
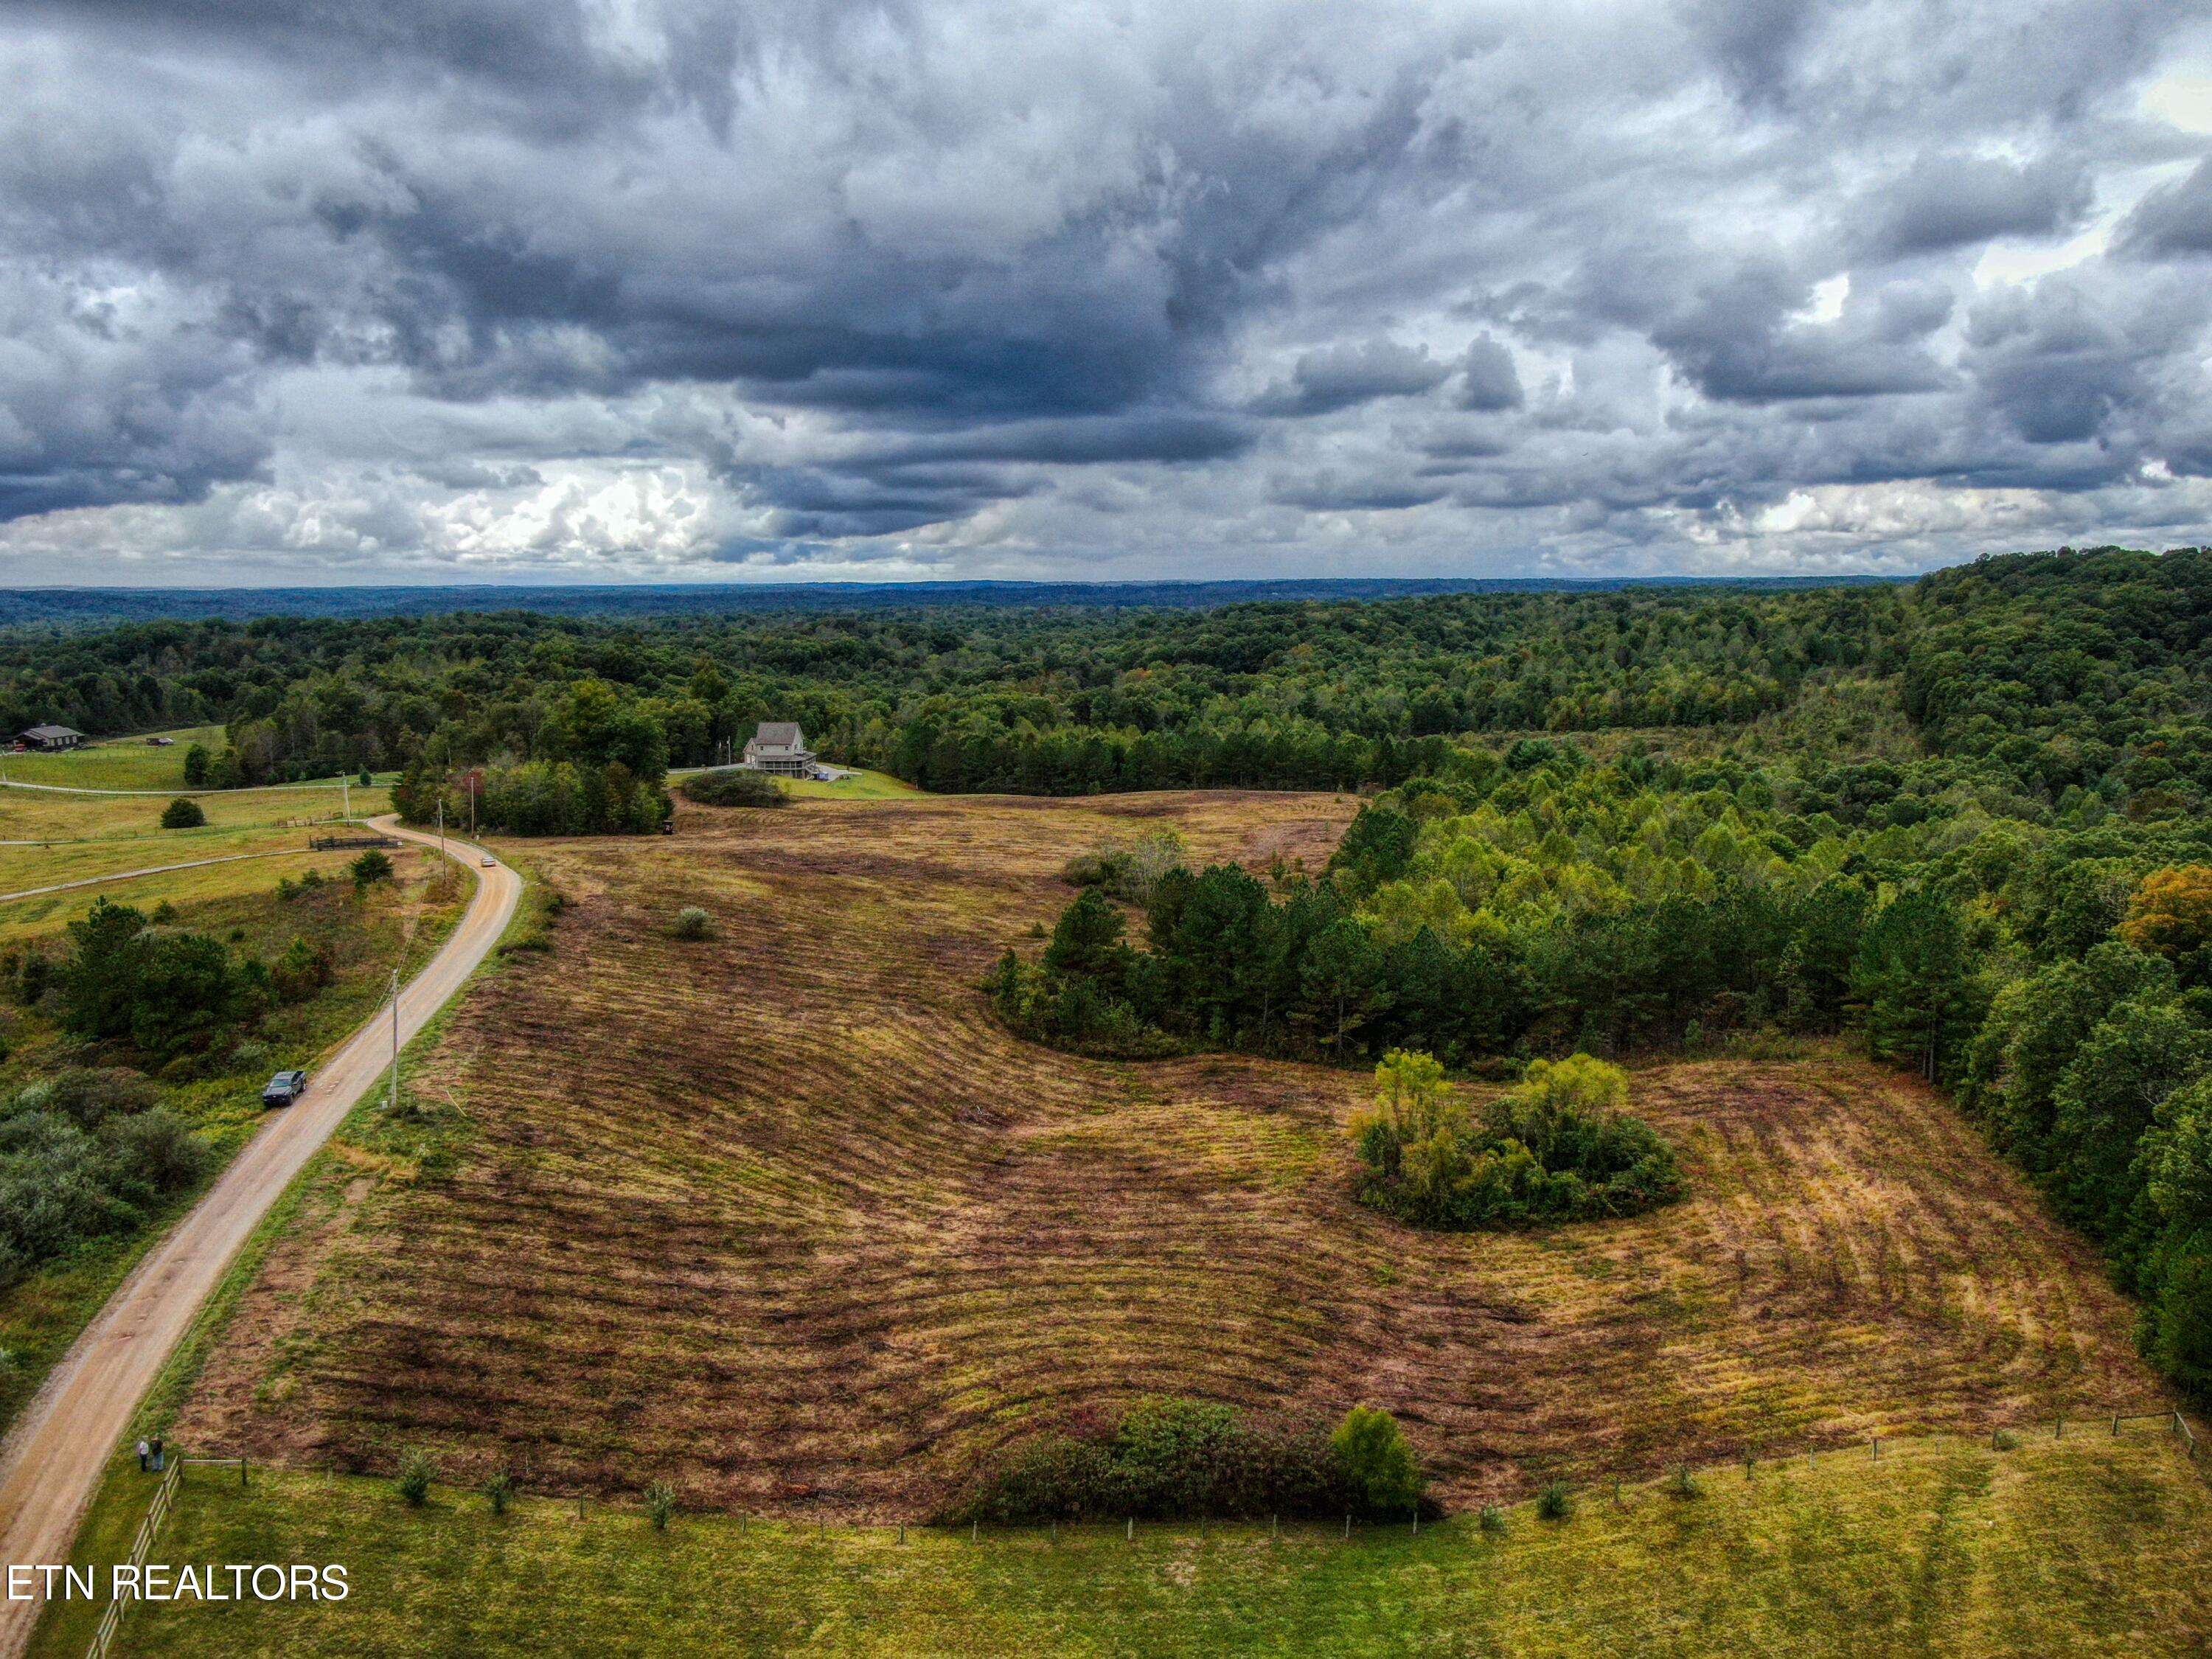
(52, 737)
(779, 746)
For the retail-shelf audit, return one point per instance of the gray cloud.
(1490, 380)
(2174, 220)
(1337, 377)
(1945, 201)
(961, 285)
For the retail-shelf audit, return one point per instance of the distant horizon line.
(1663, 579)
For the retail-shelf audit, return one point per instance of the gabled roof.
(778, 734)
(45, 731)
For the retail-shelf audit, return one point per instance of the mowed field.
(48, 837)
(784, 1219)
(118, 762)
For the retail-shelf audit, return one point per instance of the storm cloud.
(477, 288)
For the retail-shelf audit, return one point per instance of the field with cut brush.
(783, 1217)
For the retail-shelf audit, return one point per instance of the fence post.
(1417, 1522)
(1874, 1446)
(2060, 1427)
(975, 1533)
(2116, 1425)
(242, 1475)
(1275, 1526)
(1347, 1524)
(1129, 1530)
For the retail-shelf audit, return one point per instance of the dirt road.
(51, 1461)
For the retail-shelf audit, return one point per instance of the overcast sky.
(433, 290)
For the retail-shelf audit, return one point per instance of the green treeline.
(2043, 673)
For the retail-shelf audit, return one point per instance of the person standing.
(157, 1454)
(145, 1453)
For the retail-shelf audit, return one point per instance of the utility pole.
(345, 797)
(392, 1106)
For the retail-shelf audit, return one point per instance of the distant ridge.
(81, 606)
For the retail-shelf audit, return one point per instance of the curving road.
(53, 1459)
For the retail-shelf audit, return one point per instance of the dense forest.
(1961, 822)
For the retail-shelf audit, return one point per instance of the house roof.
(781, 734)
(44, 731)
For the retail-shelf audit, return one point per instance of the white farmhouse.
(779, 747)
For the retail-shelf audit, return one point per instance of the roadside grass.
(785, 1218)
(399, 925)
(119, 763)
(2086, 1545)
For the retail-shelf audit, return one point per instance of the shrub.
(1555, 1502)
(2005, 1440)
(1129, 870)
(302, 970)
(183, 813)
(416, 1471)
(1378, 1460)
(733, 786)
(660, 1504)
(692, 922)
(1167, 1459)
(89, 1096)
(499, 1491)
(1685, 1484)
(370, 867)
(1491, 1519)
(1556, 1148)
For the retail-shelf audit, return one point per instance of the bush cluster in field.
(1558, 1147)
(84, 1154)
(733, 786)
(1170, 1460)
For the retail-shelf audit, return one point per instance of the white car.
(490, 862)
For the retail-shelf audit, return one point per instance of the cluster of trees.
(155, 993)
(1181, 1460)
(599, 767)
(1558, 1146)
(2095, 1072)
(163, 992)
(85, 1154)
(1572, 907)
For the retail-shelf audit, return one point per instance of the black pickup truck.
(284, 1088)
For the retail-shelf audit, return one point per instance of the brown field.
(785, 1219)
